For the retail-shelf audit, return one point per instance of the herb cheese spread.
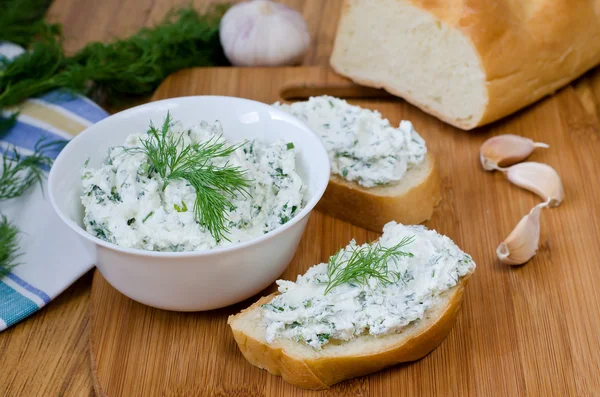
(406, 283)
(363, 147)
(129, 204)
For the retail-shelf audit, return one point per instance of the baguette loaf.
(303, 313)
(467, 62)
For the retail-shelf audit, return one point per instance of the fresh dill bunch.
(368, 261)
(37, 71)
(9, 246)
(131, 66)
(138, 64)
(18, 173)
(215, 186)
(21, 21)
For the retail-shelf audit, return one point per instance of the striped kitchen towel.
(53, 257)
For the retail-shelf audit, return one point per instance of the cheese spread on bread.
(363, 147)
(128, 203)
(306, 312)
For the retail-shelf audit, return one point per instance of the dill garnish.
(364, 262)
(215, 186)
(8, 246)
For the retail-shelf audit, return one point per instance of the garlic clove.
(263, 33)
(522, 243)
(538, 178)
(505, 150)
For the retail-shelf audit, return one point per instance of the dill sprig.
(18, 173)
(9, 246)
(364, 262)
(215, 186)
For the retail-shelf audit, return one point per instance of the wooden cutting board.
(530, 330)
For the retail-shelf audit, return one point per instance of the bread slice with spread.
(379, 173)
(371, 306)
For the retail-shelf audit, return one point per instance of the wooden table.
(46, 355)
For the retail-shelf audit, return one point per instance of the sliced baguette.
(307, 368)
(410, 201)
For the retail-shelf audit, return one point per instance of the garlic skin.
(538, 178)
(522, 243)
(505, 150)
(263, 33)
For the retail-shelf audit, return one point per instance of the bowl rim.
(319, 150)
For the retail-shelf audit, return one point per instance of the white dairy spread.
(125, 202)
(363, 147)
(305, 313)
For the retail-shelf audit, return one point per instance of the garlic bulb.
(503, 150)
(538, 178)
(522, 243)
(263, 33)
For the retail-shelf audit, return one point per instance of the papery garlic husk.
(538, 178)
(263, 33)
(505, 150)
(522, 243)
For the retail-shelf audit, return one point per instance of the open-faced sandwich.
(379, 173)
(371, 306)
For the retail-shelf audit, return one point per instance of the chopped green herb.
(101, 233)
(290, 146)
(183, 207)
(323, 337)
(147, 216)
(270, 306)
(114, 195)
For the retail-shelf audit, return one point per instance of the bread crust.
(527, 49)
(324, 371)
(411, 201)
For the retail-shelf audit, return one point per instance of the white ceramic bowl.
(192, 281)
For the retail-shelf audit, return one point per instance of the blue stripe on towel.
(14, 307)
(83, 107)
(28, 287)
(25, 136)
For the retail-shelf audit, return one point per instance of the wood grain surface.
(46, 355)
(529, 330)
